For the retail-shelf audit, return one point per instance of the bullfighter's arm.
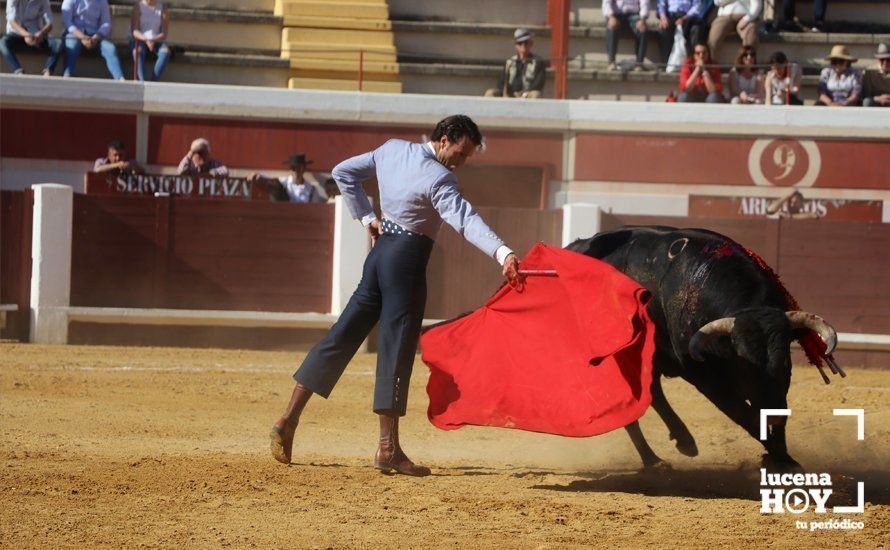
(349, 176)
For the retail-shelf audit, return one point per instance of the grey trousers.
(393, 292)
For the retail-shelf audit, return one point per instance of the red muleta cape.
(567, 355)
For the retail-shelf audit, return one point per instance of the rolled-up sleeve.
(608, 8)
(349, 176)
(105, 21)
(460, 214)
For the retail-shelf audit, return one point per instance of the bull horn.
(811, 321)
(707, 333)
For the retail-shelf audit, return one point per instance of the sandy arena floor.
(168, 447)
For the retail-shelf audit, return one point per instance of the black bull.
(722, 324)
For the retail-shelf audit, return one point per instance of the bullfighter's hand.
(375, 229)
(511, 268)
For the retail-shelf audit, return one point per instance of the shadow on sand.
(741, 483)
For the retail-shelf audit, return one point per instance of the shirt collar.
(429, 147)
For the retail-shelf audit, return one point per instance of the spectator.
(115, 161)
(524, 73)
(293, 188)
(745, 79)
(790, 22)
(782, 84)
(148, 30)
(88, 25)
(683, 13)
(840, 85)
(28, 23)
(790, 206)
(197, 162)
(631, 14)
(876, 85)
(699, 79)
(740, 15)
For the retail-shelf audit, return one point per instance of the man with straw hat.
(876, 84)
(840, 85)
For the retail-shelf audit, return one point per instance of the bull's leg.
(748, 418)
(650, 459)
(678, 430)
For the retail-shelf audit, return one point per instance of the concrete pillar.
(351, 246)
(580, 221)
(51, 263)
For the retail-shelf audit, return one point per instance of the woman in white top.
(745, 80)
(148, 29)
(782, 84)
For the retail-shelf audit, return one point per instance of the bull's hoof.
(686, 444)
(780, 464)
(657, 465)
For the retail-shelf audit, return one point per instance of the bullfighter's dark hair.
(116, 144)
(457, 127)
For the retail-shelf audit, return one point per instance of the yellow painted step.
(344, 85)
(281, 5)
(297, 35)
(343, 66)
(350, 10)
(337, 23)
(338, 51)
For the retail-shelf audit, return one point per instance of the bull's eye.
(676, 247)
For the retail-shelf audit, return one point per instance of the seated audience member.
(790, 206)
(524, 74)
(741, 15)
(331, 189)
(876, 84)
(699, 79)
(782, 84)
(197, 161)
(683, 13)
(88, 25)
(293, 188)
(28, 23)
(745, 79)
(840, 85)
(790, 22)
(631, 14)
(148, 34)
(115, 161)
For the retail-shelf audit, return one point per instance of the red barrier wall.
(63, 135)
(201, 254)
(16, 209)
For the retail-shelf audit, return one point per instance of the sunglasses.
(700, 52)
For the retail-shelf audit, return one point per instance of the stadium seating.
(427, 47)
(328, 43)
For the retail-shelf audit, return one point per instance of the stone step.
(291, 36)
(340, 51)
(337, 23)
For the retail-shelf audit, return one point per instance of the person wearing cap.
(840, 85)
(524, 73)
(876, 83)
(28, 23)
(294, 187)
(418, 191)
(197, 161)
(627, 13)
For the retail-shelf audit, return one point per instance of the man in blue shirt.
(418, 190)
(28, 23)
(687, 14)
(87, 24)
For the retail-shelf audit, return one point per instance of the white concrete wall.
(351, 246)
(51, 263)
